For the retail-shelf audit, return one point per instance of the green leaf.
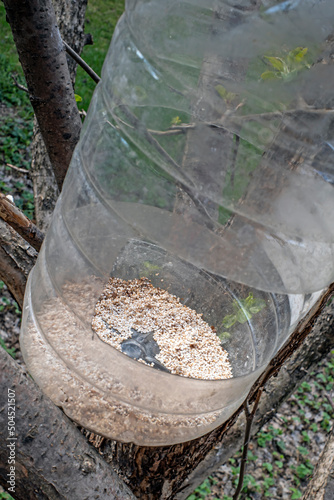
(277, 63)
(5, 496)
(78, 98)
(306, 437)
(229, 320)
(10, 351)
(149, 267)
(268, 466)
(243, 316)
(221, 91)
(236, 304)
(225, 94)
(224, 336)
(281, 444)
(297, 54)
(251, 456)
(268, 481)
(257, 306)
(296, 494)
(249, 300)
(303, 471)
(269, 75)
(176, 120)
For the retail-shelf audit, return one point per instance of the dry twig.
(249, 421)
(19, 86)
(81, 63)
(18, 169)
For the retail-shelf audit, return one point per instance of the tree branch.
(19, 86)
(43, 59)
(249, 420)
(18, 221)
(17, 258)
(53, 460)
(295, 341)
(94, 76)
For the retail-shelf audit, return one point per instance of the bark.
(317, 487)
(71, 21)
(43, 59)
(164, 473)
(17, 258)
(18, 221)
(174, 472)
(329, 488)
(52, 458)
(45, 187)
(70, 16)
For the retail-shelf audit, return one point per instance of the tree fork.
(17, 258)
(53, 461)
(43, 59)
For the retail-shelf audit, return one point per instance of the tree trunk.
(43, 59)
(71, 18)
(317, 487)
(52, 460)
(45, 187)
(152, 473)
(329, 488)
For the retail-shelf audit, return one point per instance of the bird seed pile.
(188, 346)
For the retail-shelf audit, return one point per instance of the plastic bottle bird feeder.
(204, 170)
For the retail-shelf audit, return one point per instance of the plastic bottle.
(205, 165)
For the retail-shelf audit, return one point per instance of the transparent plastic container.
(205, 165)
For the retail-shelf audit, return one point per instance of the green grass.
(16, 123)
(101, 19)
(16, 117)
(9, 64)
